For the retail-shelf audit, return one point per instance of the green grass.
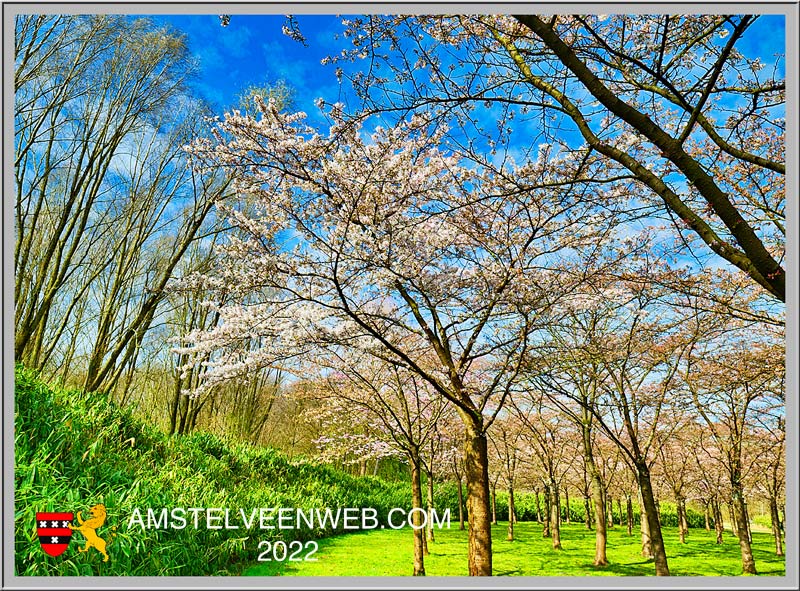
(73, 450)
(389, 553)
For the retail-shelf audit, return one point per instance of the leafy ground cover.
(73, 450)
(388, 553)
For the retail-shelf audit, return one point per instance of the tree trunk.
(176, 399)
(546, 528)
(719, 526)
(126, 388)
(183, 414)
(587, 512)
(566, 500)
(776, 525)
(194, 414)
(600, 536)
(510, 536)
(538, 505)
(629, 508)
(600, 533)
(476, 465)
(747, 523)
(609, 504)
(71, 347)
(461, 505)
(648, 500)
(431, 536)
(684, 517)
(416, 502)
(683, 526)
(740, 511)
(494, 504)
(706, 516)
(644, 526)
(734, 523)
(555, 518)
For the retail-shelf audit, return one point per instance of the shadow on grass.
(382, 553)
(633, 569)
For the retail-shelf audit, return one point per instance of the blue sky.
(252, 50)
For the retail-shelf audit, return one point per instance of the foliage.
(105, 206)
(653, 94)
(604, 261)
(74, 449)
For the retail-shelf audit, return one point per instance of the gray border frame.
(790, 581)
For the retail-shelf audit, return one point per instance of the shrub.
(73, 450)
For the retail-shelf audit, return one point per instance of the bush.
(669, 515)
(525, 504)
(73, 450)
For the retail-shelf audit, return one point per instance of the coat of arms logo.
(55, 531)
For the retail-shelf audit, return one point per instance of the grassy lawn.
(389, 552)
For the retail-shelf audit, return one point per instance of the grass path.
(388, 553)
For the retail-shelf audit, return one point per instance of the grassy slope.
(388, 553)
(73, 450)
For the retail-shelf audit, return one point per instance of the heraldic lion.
(88, 528)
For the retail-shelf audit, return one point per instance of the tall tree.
(732, 377)
(676, 101)
(106, 206)
(637, 350)
(388, 238)
(396, 409)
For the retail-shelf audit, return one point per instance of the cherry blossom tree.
(639, 364)
(636, 351)
(547, 434)
(571, 366)
(366, 240)
(677, 453)
(611, 462)
(508, 444)
(710, 480)
(569, 376)
(733, 376)
(673, 100)
(373, 409)
(772, 474)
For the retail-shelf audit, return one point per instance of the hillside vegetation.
(73, 450)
